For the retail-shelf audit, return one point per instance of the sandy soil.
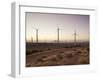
(62, 56)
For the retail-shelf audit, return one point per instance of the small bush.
(69, 55)
(34, 51)
(44, 56)
(53, 59)
(87, 49)
(28, 52)
(39, 60)
(59, 56)
(84, 62)
(79, 52)
(49, 49)
(62, 52)
(40, 50)
(66, 47)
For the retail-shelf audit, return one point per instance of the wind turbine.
(36, 34)
(58, 29)
(75, 37)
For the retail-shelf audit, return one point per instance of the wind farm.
(55, 45)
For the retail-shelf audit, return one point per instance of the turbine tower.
(36, 34)
(75, 36)
(58, 34)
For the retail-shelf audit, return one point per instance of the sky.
(47, 24)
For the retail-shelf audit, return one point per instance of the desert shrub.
(87, 49)
(28, 52)
(39, 60)
(69, 55)
(79, 52)
(40, 50)
(44, 56)
(67, 47)
(74, 50)
(61, 52)
(53, 59)
(84, 62)
(49, 49)
(34, 51)
(59, 56)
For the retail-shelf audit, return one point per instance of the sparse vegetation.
(66, 47)
(28, 52)
(59, 57)
(39, 60)
(40, 50)
(34, 51)
(69, 55)
(53, 59)
(44, 56)
(88, 49)
(62, 52)
(79, 52)
(51, 55)
(49, 49)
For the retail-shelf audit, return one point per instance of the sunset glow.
(47, 25)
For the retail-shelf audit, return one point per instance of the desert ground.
(54, 54)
